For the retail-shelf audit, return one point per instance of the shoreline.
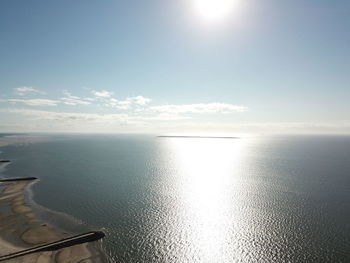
(21, 227)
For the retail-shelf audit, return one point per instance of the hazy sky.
(172, 66)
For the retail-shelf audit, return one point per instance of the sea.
(175, 199)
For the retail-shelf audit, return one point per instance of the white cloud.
(139, 100)
(118, 104)
(73, 101)
(69, 99)
(128, 103)
(200, 108)
(21, 91)
(102, 93)
(34, 102)
(155, 122)
(111, 118)
(67, 117)
(163, 117)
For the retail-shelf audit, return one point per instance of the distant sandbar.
(198, 137)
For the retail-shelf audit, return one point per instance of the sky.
(175, 66)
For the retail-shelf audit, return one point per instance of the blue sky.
(161, 67)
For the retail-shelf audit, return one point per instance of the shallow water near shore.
(265, 199)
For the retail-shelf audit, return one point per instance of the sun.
(214, 10)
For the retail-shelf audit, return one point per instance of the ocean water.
(253, 199)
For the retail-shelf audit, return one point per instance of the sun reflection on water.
(206, 181)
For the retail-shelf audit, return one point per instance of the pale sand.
(20, 229)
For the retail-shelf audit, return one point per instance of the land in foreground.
(20, 230)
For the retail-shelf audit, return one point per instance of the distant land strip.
(198, 137)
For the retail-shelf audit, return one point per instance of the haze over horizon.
(222, 67)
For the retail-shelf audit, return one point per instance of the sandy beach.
(20, 229)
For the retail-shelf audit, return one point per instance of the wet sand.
(21, 229)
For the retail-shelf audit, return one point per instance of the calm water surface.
(261, 199)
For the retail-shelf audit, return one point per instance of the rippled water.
(256, 199)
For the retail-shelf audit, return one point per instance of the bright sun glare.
(214, 10)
